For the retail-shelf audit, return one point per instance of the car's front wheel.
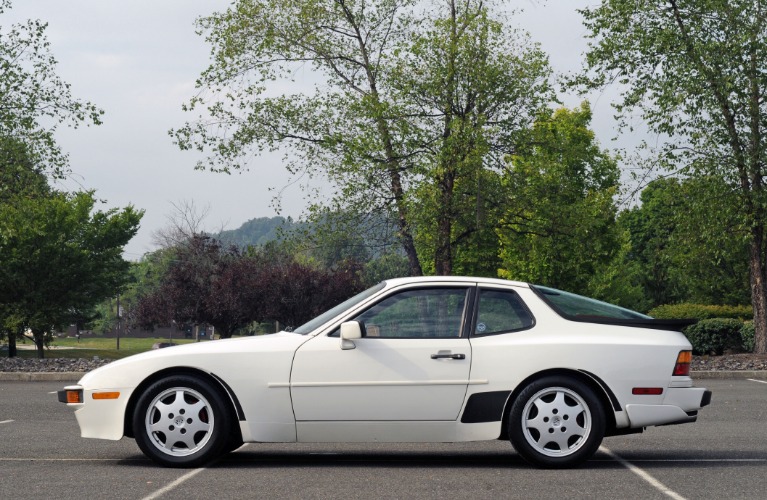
(556, 422)
(182, 421)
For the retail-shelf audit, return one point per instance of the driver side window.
(419, 313)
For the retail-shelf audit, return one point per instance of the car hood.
(206, 355)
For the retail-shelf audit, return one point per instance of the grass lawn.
(96, 346)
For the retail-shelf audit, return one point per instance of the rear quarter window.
(577, 307)
(501, 311)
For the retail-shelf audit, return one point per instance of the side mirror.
(350, 331)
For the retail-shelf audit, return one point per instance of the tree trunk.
(38, 338)
(406, 239)
(443, 256)
(40, 345)
(443, 253)
(12, 353)
(393, 161)
(758, 290)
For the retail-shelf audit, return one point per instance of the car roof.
(453, 279)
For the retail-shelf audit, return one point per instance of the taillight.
(682, 366)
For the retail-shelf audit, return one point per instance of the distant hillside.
(375, 233)
(256, 231)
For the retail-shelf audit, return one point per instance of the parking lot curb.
(40, 376)
(728, 375)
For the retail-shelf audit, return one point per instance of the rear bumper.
(680, 406)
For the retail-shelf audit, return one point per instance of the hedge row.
(719, 329)
(719, 335)
(700, 311)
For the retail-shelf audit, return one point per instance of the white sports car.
(438, 359)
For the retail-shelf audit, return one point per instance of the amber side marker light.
(682, 367)
(105, 395)
(74, 396)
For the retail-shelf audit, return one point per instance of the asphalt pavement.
(723, 455)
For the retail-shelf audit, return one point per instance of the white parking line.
(33, 459)
(171, 486)
(688, 460)
(760, 381)
(6, 421)
(647, 477)
(188, 475)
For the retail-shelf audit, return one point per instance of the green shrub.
(715, 336)
(747, 336)
(701, 311)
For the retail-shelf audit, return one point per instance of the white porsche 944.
(438, 359)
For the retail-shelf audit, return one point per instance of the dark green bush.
(715, 336)
(747, 336)
(701, 311)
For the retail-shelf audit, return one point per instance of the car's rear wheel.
(182, 421)
(556, 422)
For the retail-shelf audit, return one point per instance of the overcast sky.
(138, 60)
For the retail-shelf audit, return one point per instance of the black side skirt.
(485, 407)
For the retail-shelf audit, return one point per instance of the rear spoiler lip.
(675, 325)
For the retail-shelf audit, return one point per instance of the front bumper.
(98, 417)
(680, 406)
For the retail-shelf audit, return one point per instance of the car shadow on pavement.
(249, 456)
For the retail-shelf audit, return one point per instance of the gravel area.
(49, 365)
(731, 362)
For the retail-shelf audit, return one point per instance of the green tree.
(621, 281)
(60, 256)
(34, 100)
(410, 104)
(470, 91)
(684, 250)
(713, 261)
(145, 276)
(557, 225)
(693, 71)
(655, 241)
(18, 175)
(18, 179)
(384, 267)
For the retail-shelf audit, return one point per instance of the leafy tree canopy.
(410, 104)
(693, 70)
(229, 289)
(34, 100)
(557, 226)
(59, 255)
(685, 250)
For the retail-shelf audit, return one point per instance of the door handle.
(447, 355)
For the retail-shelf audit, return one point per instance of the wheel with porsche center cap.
(182, 421)
(556, 422)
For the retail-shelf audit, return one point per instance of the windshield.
(577, 306)
(323, 318)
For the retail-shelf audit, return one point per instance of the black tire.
(556, 422)
(233, 444)
(182, 421)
